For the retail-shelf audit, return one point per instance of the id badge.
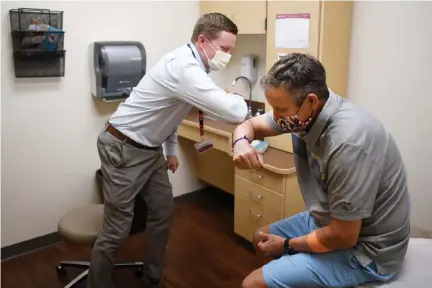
(203, 146)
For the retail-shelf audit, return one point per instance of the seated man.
(351, 176)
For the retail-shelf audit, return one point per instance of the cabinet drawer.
(264, 178)
(259, 195)
(249, 216)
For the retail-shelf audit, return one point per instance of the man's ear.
(314, 101)
(201, 39)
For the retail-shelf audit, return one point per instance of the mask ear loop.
(295, 116)
(211, 44)
(310, 117)
(205, 53)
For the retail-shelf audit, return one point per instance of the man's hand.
(271, 245)
(246, 157)
(173, 163)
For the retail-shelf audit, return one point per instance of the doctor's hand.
(246, 157)
(173, 163)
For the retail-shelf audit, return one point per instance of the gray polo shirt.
(349, 167)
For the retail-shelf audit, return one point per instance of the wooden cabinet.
(249, 216)
(329, 41)
(215, 167)
(260, 195)
(249, 16)
(262, 198)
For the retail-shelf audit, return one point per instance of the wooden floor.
(203, 251)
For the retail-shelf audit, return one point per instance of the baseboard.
(30, 245)
(37, 243)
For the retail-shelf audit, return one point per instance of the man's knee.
(116, 226)
(254, 280)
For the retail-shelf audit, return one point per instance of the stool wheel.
(61, 270)
(139, 272)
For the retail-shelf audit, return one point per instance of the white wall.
(50, 126)
(246, 44)
(390, 75)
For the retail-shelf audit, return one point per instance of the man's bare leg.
(255, 280)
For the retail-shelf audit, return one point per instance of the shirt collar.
(324, 116)
(198, 58)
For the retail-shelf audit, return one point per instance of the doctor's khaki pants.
(130, 172)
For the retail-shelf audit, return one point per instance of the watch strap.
(287, 248)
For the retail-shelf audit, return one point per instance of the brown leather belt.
(113, 131)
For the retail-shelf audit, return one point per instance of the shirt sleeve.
(353, 181)
(268, 116)
(171, 144)
(195, 87)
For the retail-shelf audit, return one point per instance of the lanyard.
(200, 113)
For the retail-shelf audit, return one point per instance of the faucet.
(249, 115)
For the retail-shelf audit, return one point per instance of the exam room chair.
(81, 226)
(416, 269)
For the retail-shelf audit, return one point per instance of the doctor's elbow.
(237, 116)
(236, 119)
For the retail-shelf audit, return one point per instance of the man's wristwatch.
(287, 248)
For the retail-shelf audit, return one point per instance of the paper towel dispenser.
(117, 67)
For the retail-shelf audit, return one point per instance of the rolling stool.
(81, 227)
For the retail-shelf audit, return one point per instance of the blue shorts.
(332, 269)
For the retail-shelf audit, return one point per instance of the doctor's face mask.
(220, 60)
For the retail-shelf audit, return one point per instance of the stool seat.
(82, 225)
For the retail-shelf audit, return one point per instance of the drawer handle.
(256, 175)
(254, 214)
(255, 195)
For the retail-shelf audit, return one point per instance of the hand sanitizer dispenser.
(249, 67)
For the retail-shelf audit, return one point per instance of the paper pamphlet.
(292, 30)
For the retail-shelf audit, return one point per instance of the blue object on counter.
(260, 145)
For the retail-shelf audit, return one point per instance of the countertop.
(278, 161)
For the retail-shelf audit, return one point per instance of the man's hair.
(299, 74)
(211, 24)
